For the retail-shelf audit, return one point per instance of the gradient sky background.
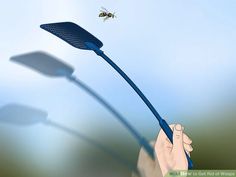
(180, 53)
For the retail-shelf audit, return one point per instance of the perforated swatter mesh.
(72, 34)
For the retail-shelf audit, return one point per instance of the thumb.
(178, 138)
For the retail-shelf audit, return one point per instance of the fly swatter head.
(72, 34)
(44, 63)
(18, 114)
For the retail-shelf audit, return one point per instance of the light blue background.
(180, 53)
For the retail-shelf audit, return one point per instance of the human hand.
(172, 156)
(168, 156)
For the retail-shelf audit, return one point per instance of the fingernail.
(178, 127)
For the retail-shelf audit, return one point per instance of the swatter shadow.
(22, 115)
(44, 63)
(49, 65)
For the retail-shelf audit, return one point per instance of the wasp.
(106, 14)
